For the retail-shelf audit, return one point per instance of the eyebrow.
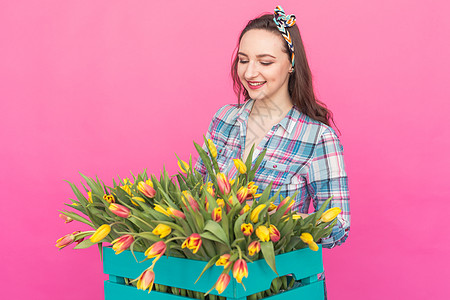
(259, 55)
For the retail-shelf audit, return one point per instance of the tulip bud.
(122, 243)
(240, 166)
(284, 201)
(272, 207)
(217, 214)
(245, 209)
(306, 237)
(186, 195)
(274, 233)
(223, 183)
(242, 194)
(65, 240)
(254, 247)
(90, 197)
(247, 229)
(146, 280)
(127, 189)
(313, 246)
(119, 210)
(255, 213)
(184, 166)
(212, 148)
(66, 218)
(240, 270)
(193, 242)
(162, 230)
(330, 215)
(146, 189)
(262, 232)
(224, 261)
(161, 209)
(220, 202)
(100, 233)
(140, 199)
(252, 188)
(176, 213)
(109, 198)
(222, 282)
(156, 250)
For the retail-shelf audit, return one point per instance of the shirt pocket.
(274, 172)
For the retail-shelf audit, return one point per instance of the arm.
(326, 178)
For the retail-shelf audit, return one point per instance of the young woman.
(280, 113)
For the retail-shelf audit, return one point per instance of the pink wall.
(105, 87)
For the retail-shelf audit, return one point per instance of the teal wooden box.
(305, 264)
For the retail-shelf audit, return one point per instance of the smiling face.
(263, 63)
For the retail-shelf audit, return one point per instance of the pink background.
(108, 87)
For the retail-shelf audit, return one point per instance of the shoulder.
(315, 132)
(226, 112)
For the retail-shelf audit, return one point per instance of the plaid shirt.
(302, 154)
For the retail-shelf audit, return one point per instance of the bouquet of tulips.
(215, 219)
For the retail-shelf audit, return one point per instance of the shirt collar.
(287, 123)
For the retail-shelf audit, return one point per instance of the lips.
(254, 87)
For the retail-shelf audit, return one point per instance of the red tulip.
(119, 210)
(223, 183)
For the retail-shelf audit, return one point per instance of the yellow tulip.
(162, 230)
(220, 202)
(306, 237)
(127, 189)
(330, 215)
(240, 166)
(247, 229)
(255, 213)
(90, 197)
(137, 199)
(245, 209)
(222, 282)
(263, 233)
(313, 246)
(161, 209)
(100, 233)
(184, 166)
(149, 182)
(254, 247)
(216, 214)
(109, 198)
(212, 148)
(224, 261)
(146, 280)
(240, 270)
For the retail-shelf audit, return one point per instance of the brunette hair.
(300, 81)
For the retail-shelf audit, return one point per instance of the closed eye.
(263, 63)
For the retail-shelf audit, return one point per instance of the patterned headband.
(282, 21)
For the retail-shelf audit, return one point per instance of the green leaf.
(208, 235)
(84, 244)
(269, 255)
(217, 230)
(77, 217)
(211, 262)
(149, 236)
(100, 248)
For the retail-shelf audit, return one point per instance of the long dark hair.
(300, 81)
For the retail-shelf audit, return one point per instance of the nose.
(251, 70)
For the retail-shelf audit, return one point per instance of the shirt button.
(274, 166)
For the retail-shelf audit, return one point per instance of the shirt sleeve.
(327, 177)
